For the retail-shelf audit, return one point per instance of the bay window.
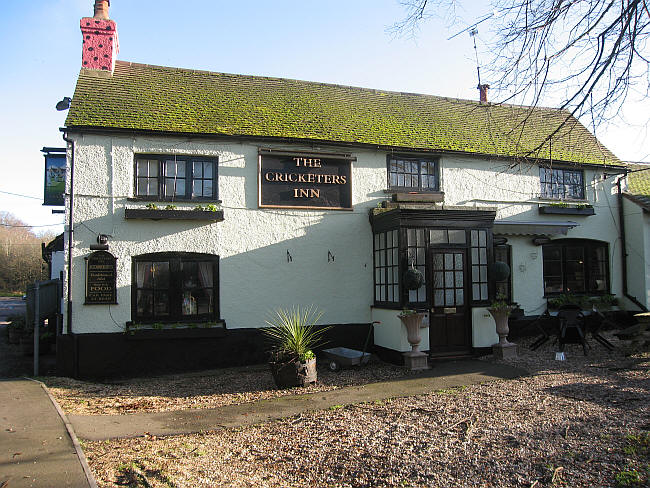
(576, 266)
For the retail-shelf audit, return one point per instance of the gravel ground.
(583, 422)
(206, 389)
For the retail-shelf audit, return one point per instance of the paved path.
(441, 376)
(35, 447)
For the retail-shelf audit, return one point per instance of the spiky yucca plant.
(293, 333)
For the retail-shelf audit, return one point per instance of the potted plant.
(500, 310)
(293, 335)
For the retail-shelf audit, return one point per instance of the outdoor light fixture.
(102, 243)
(63, 104)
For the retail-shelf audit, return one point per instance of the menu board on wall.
(298, 180)
(101, 274)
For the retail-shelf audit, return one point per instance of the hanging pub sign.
(101, 274)
(54, 187)
(299, 180)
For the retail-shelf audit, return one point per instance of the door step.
(450, 356)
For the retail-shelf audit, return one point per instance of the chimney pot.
(101, 9)
(483, 90)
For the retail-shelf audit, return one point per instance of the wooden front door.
(449, 320)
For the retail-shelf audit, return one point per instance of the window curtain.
(141, 269)
(205, 275)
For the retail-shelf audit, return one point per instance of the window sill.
(161, 214)
(198, 331)
(196, 201)
(400, 195)
(559, 210)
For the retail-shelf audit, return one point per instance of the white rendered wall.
(637, 233)
(57, 264)
(252, 243)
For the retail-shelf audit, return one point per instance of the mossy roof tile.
(156, 98)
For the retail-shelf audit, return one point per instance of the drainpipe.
(70, 230)
(621, 219)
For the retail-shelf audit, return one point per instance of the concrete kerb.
(442, 376)
(73, 436)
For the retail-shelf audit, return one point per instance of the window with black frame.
(413, 174)
(175, 287)
(176, 178)
(503, 253)
(479, 259)
(576, 266)
(386, 266)
(558, 183)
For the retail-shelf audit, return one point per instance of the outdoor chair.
(546, 325)
(572, 327)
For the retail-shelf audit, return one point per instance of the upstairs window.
(562, 184)
(413, 174)
(176, 178)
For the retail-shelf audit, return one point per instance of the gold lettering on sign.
(306, 193)
(308, 162)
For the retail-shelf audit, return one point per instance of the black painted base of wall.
(99, 356)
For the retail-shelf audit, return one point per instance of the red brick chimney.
(100, 43)
(483, 90)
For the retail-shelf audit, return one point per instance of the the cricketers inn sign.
(296, 180)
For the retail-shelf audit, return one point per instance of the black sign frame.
(101, 272)
(296, 180)
(54, 177)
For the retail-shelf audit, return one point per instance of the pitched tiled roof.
(638, 184)
(155, 98)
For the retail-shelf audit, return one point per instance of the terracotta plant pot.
(293, 373)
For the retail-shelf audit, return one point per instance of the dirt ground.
(583, 422)
(205, 389)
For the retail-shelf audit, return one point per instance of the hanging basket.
(413, 279)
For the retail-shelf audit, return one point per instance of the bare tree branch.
(584, 56)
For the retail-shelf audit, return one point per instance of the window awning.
(532, 228)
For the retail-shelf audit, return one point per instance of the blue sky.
(334, 41)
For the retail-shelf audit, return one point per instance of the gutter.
(621, 219)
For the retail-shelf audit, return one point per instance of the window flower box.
(176, 214)
(562, 210)
(139, 332)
